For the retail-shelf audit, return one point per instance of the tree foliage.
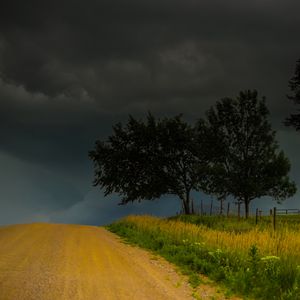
(144, 160)
(246, 161)
(294, 85)
(231, 152)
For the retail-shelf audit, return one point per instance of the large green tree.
(144, 160)
(294, 85)
(246, 161)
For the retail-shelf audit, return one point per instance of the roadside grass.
(255, 262)
(233, 223)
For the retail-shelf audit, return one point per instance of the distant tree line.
(232, 151)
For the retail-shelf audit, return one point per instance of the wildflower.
(270, 257)
(199, 244)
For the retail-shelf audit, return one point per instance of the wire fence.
(217, 208)
(236, 209)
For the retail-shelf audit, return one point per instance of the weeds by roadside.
(251, 270)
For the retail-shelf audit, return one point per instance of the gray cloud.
(69, 70)
(123, 53)
(29, 191)
(99, 210)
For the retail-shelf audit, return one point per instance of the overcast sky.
(69, 70)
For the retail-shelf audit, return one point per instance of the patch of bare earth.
(55, 261)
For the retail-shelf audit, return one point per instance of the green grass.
(180, 255)
(250, 275)
(233, 224)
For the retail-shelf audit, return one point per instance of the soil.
(71, 262)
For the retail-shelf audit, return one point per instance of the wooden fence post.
(256, 216)
(228, 206)
(274, 218)
(201, 207)
(211, 206)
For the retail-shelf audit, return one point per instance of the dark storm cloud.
(68, 65)
(71, 69)
(143, 51)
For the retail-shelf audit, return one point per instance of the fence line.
(237, 208)
(288, 211)
(210, 209)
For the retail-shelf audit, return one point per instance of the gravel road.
(43, 261)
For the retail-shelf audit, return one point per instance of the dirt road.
(54, 261)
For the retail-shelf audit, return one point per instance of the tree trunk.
(246, 201)
(192, 206)
(221, 206)
(186, 207)
(186, 204)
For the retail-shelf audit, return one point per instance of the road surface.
(55, 261)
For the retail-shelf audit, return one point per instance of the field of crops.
(251, 260)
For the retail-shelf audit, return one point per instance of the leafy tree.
(186, 159)
(246, 162)
(294, 85)
(144, 160)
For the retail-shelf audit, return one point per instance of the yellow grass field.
(284, 243)
(251, 260)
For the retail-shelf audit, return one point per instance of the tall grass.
(233, 223)
(255, 261)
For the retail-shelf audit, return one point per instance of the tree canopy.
(246, 161)
(233, 151)
(144, 160)
(294, 85)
